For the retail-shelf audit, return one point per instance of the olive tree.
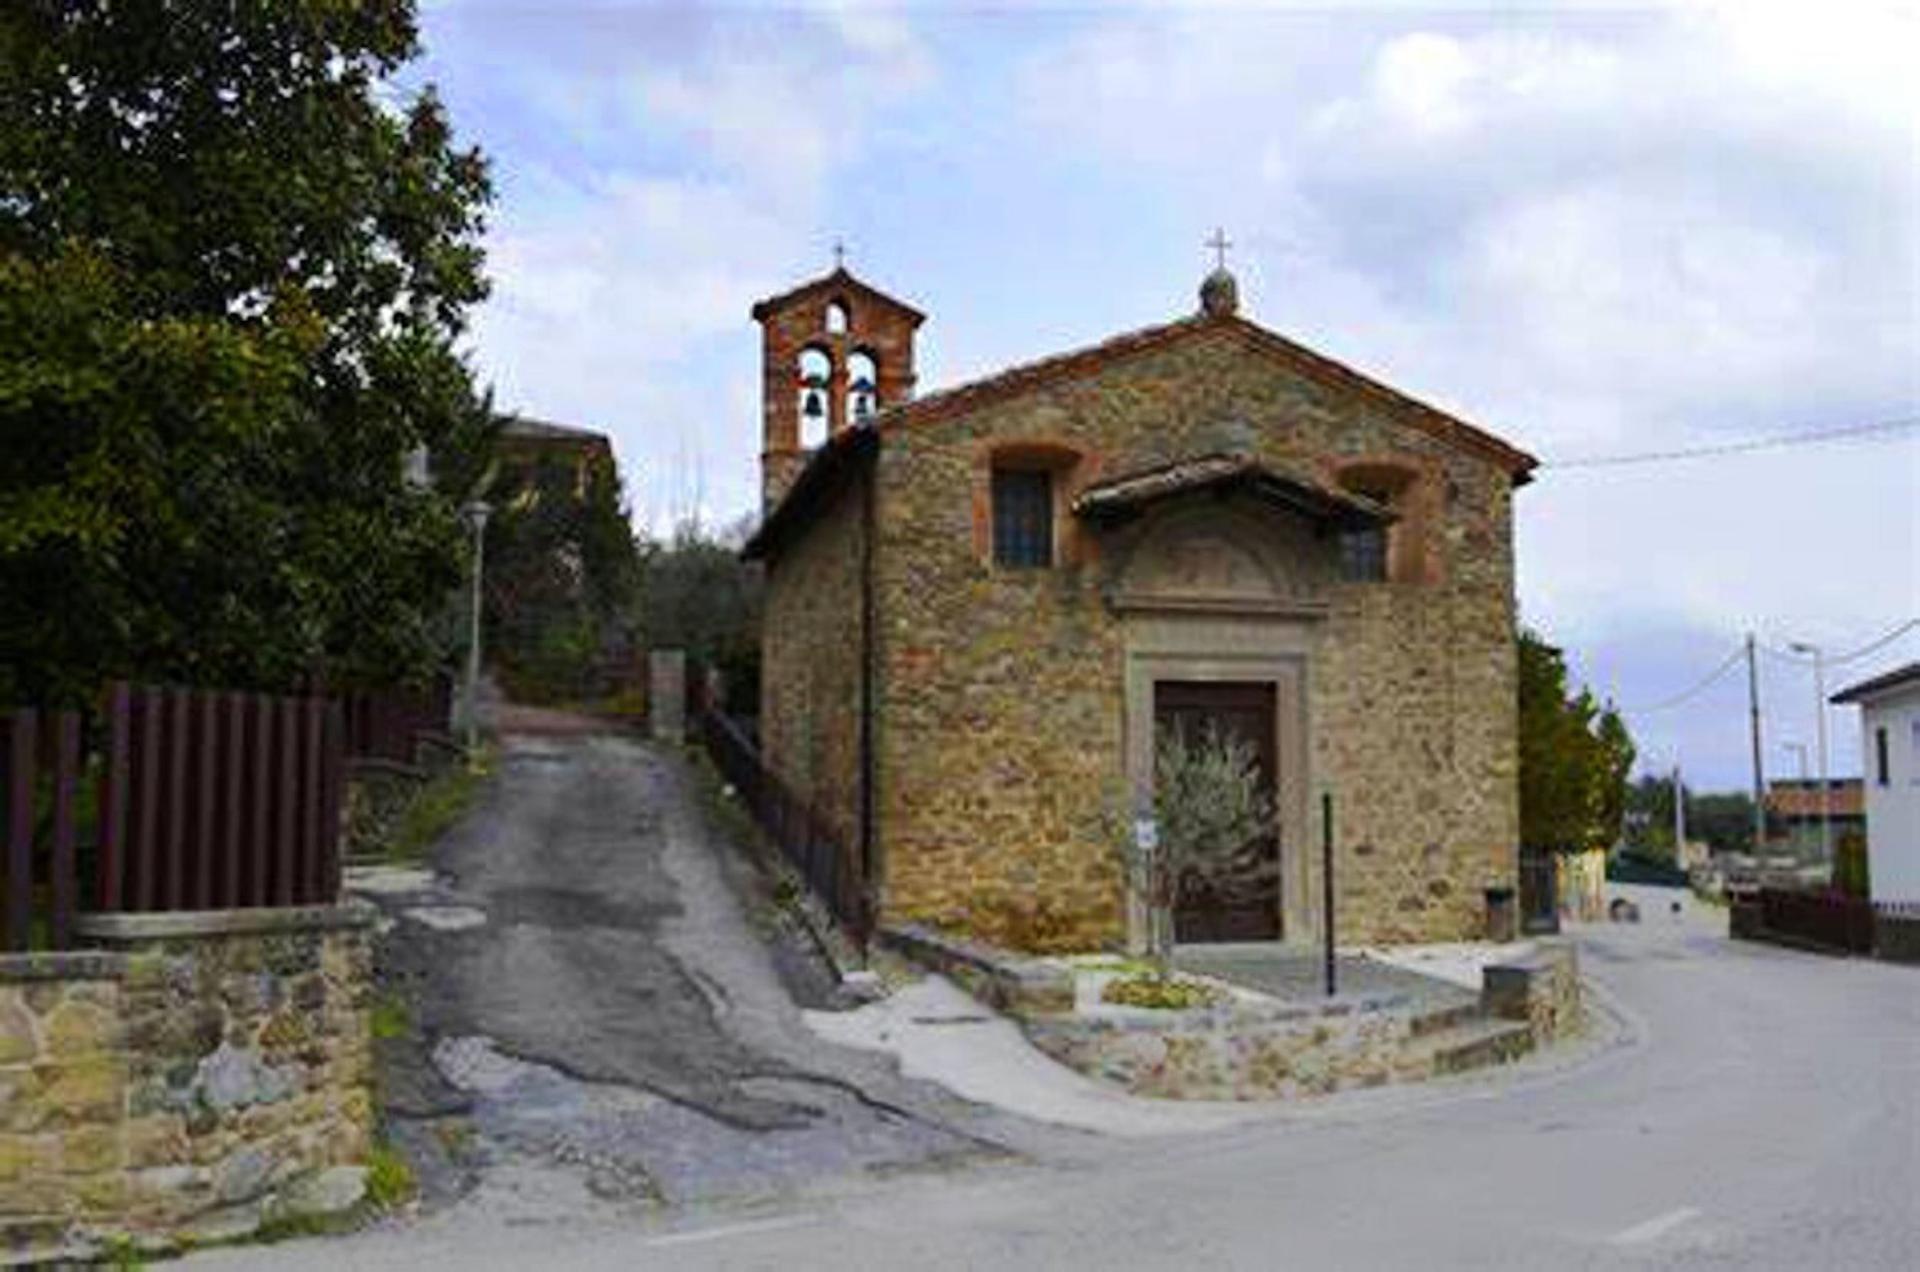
(1208, 829)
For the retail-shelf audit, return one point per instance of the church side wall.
(810, 665)
(1001, 728)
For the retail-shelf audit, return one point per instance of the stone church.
(981, 602)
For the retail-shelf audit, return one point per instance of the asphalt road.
(1763, 1116)
(609, 1021)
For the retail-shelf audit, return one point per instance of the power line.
(1782, 441)
(1871, 647)
(1698, 687)
(1707, 681)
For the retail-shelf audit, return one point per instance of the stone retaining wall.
(1542, 989)
(196, 1076)
(1254, 1047)
(1237, 1052)
(1021, 987)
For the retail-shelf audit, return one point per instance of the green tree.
(701, 597)
(1723, 820)
(563, 580)
(1574, 757)
(234, 262)
(1613, 765)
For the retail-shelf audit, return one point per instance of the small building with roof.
(983, 604)
(1890, 746)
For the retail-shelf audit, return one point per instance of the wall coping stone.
(52, 965)
(132, 927)
(1014, 983)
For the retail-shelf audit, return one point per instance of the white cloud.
(675, 181)
(1613, 231)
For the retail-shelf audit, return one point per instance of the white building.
(1890, 744)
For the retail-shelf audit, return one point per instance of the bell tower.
(834, 352)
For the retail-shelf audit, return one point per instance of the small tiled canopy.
(1129, 495)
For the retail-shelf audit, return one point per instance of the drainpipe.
(868, 520)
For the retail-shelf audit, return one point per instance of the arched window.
(837, 318)
(863, 387)
(814, 374)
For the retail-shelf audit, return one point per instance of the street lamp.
(1799, 752)
(1820, 741)
(475, 513)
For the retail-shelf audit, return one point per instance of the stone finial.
(1219, 294)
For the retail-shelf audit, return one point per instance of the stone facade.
(200, 1075)
(810, 687)
(1013, 706)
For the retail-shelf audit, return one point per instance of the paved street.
(1762, 1113)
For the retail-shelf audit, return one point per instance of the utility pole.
(1679, 819)
(1820, 742)
(476, 513)
(1759, 786)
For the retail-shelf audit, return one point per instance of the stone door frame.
(1260, 649)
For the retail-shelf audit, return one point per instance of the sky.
(1595, 230)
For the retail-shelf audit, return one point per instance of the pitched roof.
(1898, 678)
(1078, 362)
(1131, 493)
(816, 485)
(840, 280)
(1846, 797)
(526, 428)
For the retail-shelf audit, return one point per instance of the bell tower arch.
(834, 352)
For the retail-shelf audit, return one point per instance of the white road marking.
(732, 1230)
(1658, 1226)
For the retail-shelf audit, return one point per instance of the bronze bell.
(813, 408)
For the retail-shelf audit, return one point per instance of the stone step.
(1477, 1044)
(1450, 1016)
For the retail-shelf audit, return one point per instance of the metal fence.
(167, 799)
(1824, 920)
(832, 872)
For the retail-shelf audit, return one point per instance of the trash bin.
(1501, 914)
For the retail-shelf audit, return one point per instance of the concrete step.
(1476, 1044)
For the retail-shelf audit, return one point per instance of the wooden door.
(1243, 709)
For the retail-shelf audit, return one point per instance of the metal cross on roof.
(839, 254)
(1219, 243)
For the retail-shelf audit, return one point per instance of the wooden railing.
(168, 799)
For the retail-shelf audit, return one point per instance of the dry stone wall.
(201, 1074)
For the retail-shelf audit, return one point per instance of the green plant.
(1160, 992)
(1210, 820)
(437, 806)
(120, 1252)
(390, 1179)
(1850, 864)
(390, 1017)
